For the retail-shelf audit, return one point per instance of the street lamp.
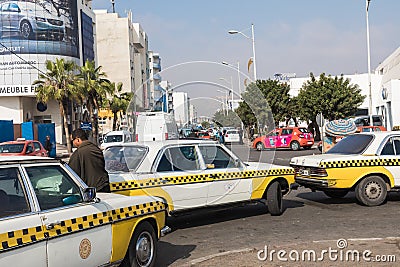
(369, 67)
(238, 73)
(225, 101)
(254, 47)
(231, 91)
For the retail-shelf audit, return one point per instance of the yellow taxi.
(49, 217)
(366, 163)
(190, 174)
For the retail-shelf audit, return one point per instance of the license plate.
(309, 142)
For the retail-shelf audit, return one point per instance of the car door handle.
(51, 226)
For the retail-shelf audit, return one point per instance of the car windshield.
(352, 144)
(11, 148)
(113, 138)
(118, 158)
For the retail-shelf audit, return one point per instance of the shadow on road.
(208, 216)
(169, 253)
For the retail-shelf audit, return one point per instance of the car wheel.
(259, 146)
(26, 29)
(336, 193)
(142, 249)
(371, 191)
(294, 145)
(274, 199)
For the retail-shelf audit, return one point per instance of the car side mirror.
(89, 194)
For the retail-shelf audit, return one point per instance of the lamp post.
(369, 67)
(238, 73)
(231, 91)
(225, 100)
(254, 47)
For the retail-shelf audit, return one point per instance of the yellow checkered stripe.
(360, 163)
(198, 178)
(18, 238)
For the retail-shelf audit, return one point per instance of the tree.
(94, 87)
(334, 97)
(205, 124)
(58, 83)
(119, 101)
(255, 109)
(226, 120)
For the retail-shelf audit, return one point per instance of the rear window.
(352, 144)
(303, 130)
(11, 148)
(112, 138)
(232, 132)
(124, 159)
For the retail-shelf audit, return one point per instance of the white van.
(156, 126)
(116, 137)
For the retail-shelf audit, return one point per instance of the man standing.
(88, 162)
(48, 145)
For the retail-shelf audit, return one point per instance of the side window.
(397, 146)
(13, 200)
(216, 156)
(13, 7)
(53, 187)
(388, 148)
(29, 148)
(182, 158)
(37, 146)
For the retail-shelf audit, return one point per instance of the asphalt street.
(308, 217)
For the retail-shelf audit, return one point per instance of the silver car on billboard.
(30, 20)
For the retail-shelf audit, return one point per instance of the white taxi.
(190, 174)
(49, 217)
(366, 163)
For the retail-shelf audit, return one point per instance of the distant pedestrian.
(240, 136)
(88, 162)
(48, 145)
(252, 133)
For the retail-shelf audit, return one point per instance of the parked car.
(30, 19)
(22, 147)
(366, 163)
(203, 135)
(232, 136)
(288, 137)
(49, 217)
(115, 137)
(194, 173)
(156, 126)
(363, 129)
(365, 120)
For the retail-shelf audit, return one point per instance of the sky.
(291, 36)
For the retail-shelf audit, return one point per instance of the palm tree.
(119, 102)
(58, 83)
(94, 86)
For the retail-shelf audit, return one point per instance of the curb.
(225, 253)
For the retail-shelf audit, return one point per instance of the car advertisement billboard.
(31, 32)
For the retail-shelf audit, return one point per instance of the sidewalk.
(61, 151)
(342, 252)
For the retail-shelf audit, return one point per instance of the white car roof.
(23, 158)
(155, 146)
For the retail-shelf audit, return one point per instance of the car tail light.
(226, 135)
(166, 136)
(137, 138)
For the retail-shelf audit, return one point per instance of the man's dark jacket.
(88, 162)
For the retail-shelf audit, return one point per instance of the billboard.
(31, 32)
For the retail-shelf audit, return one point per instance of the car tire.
(145, 239)
(371, 191)
(274, 199)
(294, 145)
(26, 29)
(259, 146)
(336, 193)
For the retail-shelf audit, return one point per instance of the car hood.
(316, 160)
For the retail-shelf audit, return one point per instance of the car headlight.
(40, 19)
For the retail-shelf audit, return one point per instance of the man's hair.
(79, 133)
